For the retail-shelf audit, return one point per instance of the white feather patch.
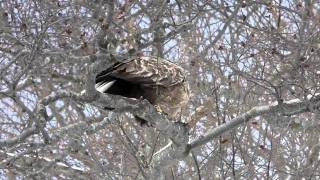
(102, 87)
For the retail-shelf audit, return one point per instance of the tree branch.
(295, 106)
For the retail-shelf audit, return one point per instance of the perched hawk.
(159, 81)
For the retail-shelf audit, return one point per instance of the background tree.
(253, 69)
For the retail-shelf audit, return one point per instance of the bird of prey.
(159, 81)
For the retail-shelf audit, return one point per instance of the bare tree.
(252, 66)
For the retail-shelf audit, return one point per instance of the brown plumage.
(159, 81)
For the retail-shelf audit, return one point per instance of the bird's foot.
(158, 108)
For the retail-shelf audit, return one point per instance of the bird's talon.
(158, 108)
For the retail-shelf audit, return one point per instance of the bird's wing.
(148, 71)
